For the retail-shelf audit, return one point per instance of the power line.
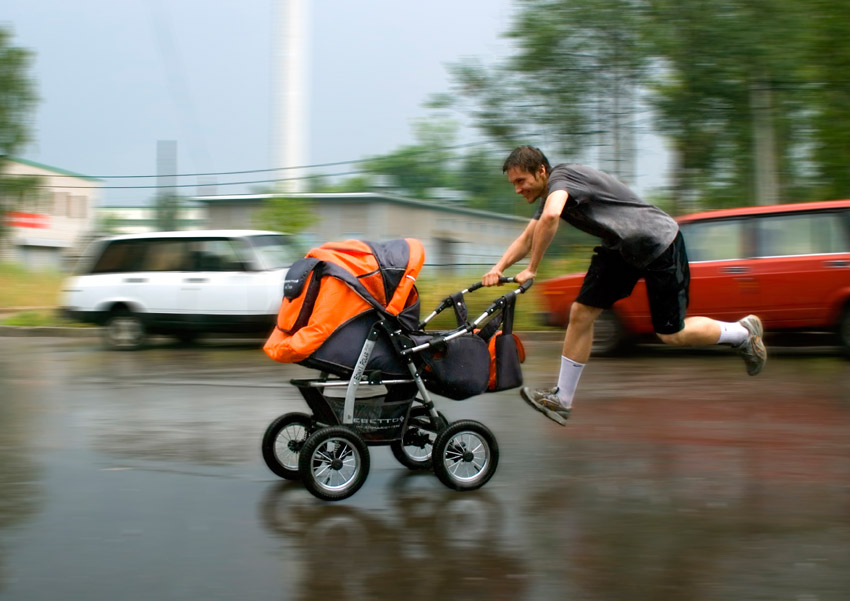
(217, 184)
(250, 171)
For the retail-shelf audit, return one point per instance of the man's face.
(530, 186)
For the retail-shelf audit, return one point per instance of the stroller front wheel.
(465, 455)
(334, 463)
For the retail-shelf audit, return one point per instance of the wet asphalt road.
(130, 476)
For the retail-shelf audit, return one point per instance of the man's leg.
(579, 337)
(557, 402)
(609, 278)
(745, 335)
(667, 285)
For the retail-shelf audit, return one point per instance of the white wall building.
(51, 222)
(142, 218)
(454, 236)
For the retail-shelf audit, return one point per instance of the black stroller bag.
(459, 368)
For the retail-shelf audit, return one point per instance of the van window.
(802, 234)
(121, 256)
(274, 251)
(719, 240)
(217, 254)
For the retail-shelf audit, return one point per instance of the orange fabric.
(335, 304)
(492, 347)
(355, 256)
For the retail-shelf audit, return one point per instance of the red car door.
(723, 283)
(803, 265)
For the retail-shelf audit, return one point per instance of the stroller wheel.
(282, 443)
(465, 455)
(414, 449)
(334, 463)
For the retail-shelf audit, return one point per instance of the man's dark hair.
(527, 158)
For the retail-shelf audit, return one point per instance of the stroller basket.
(378, 414)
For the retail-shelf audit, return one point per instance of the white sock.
(568, 380)
(732, 333)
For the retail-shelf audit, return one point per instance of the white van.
(180, 283)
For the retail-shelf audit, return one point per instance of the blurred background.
(152, 115)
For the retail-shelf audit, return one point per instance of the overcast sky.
(116, 76)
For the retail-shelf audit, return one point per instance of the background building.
(142, 218)
(454, 236)
(45, 231)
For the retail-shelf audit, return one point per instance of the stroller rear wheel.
(334, 463)
(465, 455)
(282, 443)
(414, 449)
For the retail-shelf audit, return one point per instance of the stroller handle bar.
(503, 280)
(479, 322)
(449, 301)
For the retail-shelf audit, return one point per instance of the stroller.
(351, 311)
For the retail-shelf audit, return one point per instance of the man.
(638, 241)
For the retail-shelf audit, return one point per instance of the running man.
(639, 241)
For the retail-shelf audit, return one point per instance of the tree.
(17, 101)
(826, 64)
(724, 95)
(571, 83)
(750, 94)
(284, 214)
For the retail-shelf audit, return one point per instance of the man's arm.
(518, 249)
(545, 231)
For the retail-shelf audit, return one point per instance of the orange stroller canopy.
(335, 283)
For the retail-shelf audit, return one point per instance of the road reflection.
(427, 545)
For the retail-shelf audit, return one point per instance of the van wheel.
(186, 337)
(124, 331)
(609, 335)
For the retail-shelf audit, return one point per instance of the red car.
(789, 264)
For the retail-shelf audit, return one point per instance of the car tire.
(609, 335)
(844, 330)
(124, 331)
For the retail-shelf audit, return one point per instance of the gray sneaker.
(753, 350)
(547, 403)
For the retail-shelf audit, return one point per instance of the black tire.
(414, 450)
(609, 335)
(124, 331)
(844, 331)
(283, 441)
(466, 455)
(333, 463)
(186, 337)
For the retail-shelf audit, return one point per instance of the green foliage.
(17, 101)
(435, 168)
(283, 214)
(21, 287)
(33, 319)
(167, 207)
(17, 95)
(721, 78)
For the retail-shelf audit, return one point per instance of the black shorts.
(609, 279)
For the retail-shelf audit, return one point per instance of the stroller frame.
(330, 446)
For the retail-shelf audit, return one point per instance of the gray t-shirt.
(604, 207)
